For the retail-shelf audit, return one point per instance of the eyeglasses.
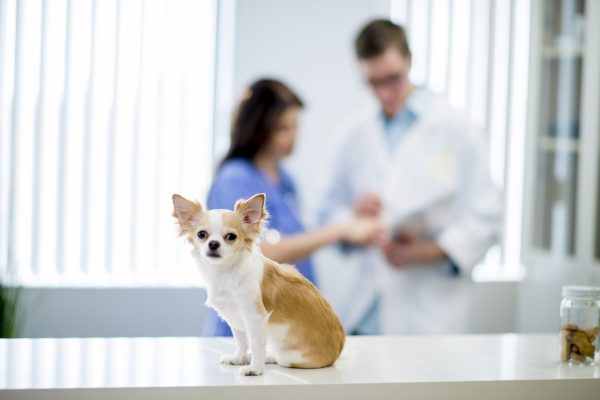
(388, 81)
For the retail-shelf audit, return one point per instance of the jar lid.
(581, 292)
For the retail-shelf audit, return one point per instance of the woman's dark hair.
(256, 119)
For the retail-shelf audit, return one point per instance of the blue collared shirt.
(397, 126)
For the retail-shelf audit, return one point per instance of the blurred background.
(109, 107)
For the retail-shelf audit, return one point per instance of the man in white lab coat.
(422, 167)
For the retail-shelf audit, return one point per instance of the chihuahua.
(266, 304)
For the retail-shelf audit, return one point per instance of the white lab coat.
(436, 184)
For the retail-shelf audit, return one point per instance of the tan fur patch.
(203, 223)
(315, 330)
(254, 207)
(188, 213)
(232, 221)
(191, 217)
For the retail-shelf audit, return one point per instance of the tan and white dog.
(264, 303)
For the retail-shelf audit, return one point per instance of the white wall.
(540, 293)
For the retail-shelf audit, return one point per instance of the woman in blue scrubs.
(263, 134)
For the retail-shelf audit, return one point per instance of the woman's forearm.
(294, 248)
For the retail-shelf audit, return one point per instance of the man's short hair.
(378, 36)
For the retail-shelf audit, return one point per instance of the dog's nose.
(213, 245)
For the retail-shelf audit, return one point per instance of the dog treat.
(592, 333)
(577, 357)
(569, 327)
(565, 349)
(581, 340)
(577, 344)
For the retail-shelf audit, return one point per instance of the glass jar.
(580, 324)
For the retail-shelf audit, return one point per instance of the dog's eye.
(202, 235)
(231, 236)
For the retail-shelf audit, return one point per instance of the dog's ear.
(185, 210)
(252, 211)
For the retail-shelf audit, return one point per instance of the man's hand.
(406, 250)
(368, 205)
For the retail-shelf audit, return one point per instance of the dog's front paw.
(270, 360)
(252, 371)
(236, 359)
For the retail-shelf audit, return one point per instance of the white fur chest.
(233, 290)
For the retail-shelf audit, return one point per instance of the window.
(105, 111)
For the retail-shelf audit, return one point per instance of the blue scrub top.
(240, 179)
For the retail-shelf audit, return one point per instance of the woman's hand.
(294, 248)
(363, 230)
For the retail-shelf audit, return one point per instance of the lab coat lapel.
(423, 170)
(377, 159)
